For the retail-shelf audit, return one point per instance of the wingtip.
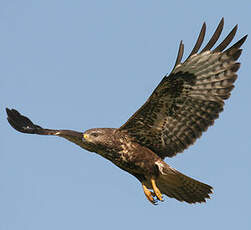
(221, 23)
(236, 27)
(11, 112)
(8, 111)
(204, 28)
(245, 38)
(222, 20)
(234, 30)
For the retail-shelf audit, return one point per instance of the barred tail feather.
(181, 187)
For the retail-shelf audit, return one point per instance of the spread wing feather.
(187, 102)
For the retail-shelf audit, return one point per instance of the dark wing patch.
(188, 101)
(21, 123)
(25, 125)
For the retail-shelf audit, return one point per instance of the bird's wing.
(25, 125)
(187, 102)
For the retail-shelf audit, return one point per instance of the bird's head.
(98, 139)
(95, 136)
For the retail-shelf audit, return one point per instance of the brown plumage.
(180, 109)
(187, 102)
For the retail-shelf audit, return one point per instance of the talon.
(156, 190)
(149, 195)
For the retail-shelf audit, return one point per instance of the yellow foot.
(149, 194)
(156, 190)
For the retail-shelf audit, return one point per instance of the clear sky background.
(85, 64)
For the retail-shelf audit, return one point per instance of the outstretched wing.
(25, 125)
(187, 102)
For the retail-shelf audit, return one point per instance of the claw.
(154, 196)
(149, 195)
(156, 190)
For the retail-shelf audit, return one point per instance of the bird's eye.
(94, 134)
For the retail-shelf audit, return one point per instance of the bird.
(183, 105)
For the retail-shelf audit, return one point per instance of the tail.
(181, 187)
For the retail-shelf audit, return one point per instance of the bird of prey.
(184, 104)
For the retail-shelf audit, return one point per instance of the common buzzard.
(184, 104)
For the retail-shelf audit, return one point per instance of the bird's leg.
(156, 190)
(149, 195)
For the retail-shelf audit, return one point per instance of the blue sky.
(84, 64)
